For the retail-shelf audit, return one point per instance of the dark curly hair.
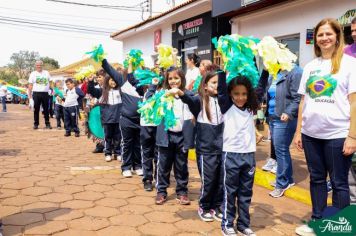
(251, 104)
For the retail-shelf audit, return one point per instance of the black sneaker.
(77, 135)
(205, 215)
(48, 127)
(35, 127)
(96, 150)
(66, 134)
(147, 185)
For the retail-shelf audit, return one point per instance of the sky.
(67, 46)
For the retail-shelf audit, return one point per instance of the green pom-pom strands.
(158, 108)
(238, 53)
(145, 77)
(135, 58)
(97, 53)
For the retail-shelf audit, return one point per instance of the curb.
(263, 179)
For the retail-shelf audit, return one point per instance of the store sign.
(190, 27)
(310, 36)
(203, 52)
(347, 17)
(157, 39)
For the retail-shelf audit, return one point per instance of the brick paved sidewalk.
(52, 185)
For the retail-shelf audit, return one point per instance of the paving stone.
(70, 189)
(48, 227)
(51, 183)
(77, 204)
(40, 207)
(193, 226)
(111, 202)
(73, 232)
(135, 209)
(19, 200)
(56, 197)
(119, 194)
(101, 211)
(17, 174)
(107, 181)
(113, 231)
(158, 228)
(128, 220)
(163, 217)
(98, 188)
(6, 193)
(18, 185)
(8, 210)
(89, 223)
(7, 180)
(36, 191)
(81, 182)
(128, 187)
(13, 230)
(64, 214)
(23, 218)
(169, 206)
(140, 200)
(88, 195)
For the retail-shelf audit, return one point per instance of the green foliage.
(49, 63)
(9, 77)
(23, 62)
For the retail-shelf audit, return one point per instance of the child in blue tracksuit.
(109, 99)
(129, 122)
(238, 104)
(73, 99)
(173, 145)
(209, 141)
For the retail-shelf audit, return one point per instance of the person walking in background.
(3, 92)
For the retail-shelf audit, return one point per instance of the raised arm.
(193, 103)
(112, 72)
(95, 92)
(261, 88)
(223, 97)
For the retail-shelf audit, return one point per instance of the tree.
(9, 77)
(23, 62)
(49, 63)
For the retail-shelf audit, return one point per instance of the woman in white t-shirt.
(326, 127)
(193, 72)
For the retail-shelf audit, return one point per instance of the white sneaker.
(108, 158)
(228, 231)
(139, 172)
(247, 232)
(118, 157)
(304, 230)
(274, 169)
(269, 164)
(127, 173)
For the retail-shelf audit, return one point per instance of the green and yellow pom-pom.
(135, 58)
(97, 53)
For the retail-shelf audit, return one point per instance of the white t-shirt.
(181, 113)
(239, 131)
(326, 110)
(40, 81)
(71, 98)
(3, 90)
(191, 76)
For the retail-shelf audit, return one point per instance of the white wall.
(144, 42)
(292, 18)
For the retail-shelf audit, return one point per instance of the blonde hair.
(339, 47)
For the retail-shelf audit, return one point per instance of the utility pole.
(150, 2)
